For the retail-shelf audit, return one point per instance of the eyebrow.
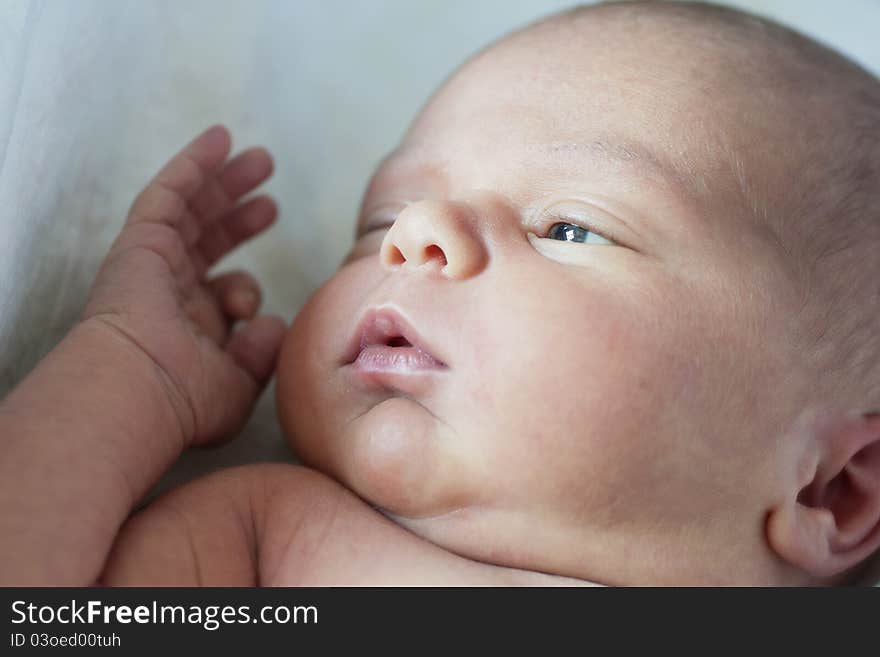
(631, 154)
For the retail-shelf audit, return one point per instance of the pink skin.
(601, 402)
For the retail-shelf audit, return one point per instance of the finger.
(244, 222)
(238, 294)
(255, 346)
(246, 171)
(165, 199)
(239, 176)
(254, 350)
(162, 205)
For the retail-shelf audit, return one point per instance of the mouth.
(384, 341)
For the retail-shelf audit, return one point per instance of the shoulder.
(289, 525)
(258, 488)
(316, 532)
(300, 523)
(211, 531)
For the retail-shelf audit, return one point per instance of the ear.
(830, 523)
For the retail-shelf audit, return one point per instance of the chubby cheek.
(578, 378)
(310, 390)
(388, 449)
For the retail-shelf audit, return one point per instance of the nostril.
(395, 257)
(435, 252)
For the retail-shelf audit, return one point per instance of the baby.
(610, 317)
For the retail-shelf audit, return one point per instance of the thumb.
(253, 349)
(255, 346)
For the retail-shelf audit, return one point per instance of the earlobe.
(832, 524)
(802, 536)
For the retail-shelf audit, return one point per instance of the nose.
(442, 234)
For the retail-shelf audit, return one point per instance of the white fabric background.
(96, 95)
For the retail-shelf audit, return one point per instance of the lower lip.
(381, 358)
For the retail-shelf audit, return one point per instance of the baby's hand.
(152, 287)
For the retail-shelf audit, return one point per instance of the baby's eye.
(567, 232)
(375, 227)
(380, 219)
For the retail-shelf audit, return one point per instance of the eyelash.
(372, 229)
(377, 221)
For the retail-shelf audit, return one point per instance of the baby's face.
(590, 406)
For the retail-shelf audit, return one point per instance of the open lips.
(385, 340)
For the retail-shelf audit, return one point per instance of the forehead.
(556, 101)
(571, 83)
(540, 117)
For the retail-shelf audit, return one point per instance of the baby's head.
(639, 242)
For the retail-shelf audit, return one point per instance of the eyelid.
(585, 217)
(379, 216)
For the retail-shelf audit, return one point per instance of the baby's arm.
(152, 367)
(82, 438)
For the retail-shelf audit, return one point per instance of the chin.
(372, 437)
(396, 456)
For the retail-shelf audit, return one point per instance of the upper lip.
(379, 326)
